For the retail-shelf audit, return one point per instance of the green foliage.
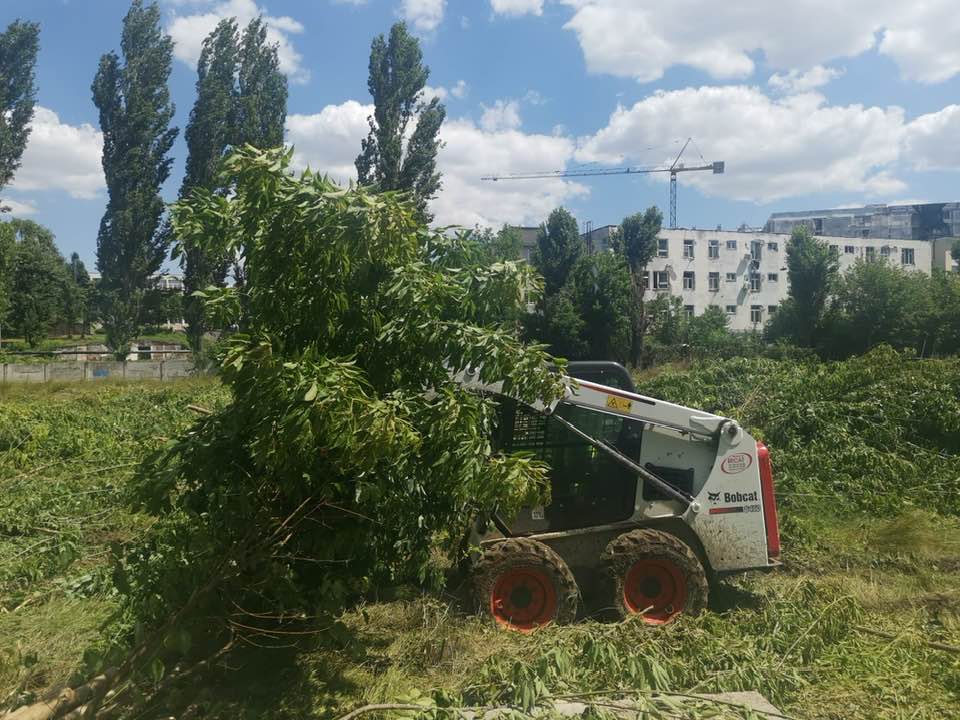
(241, 98)
(332, 469)
(636, 241)
(559, 246)
(879, 433)
(388, 160)
(877, 302)
(135, 114)
(504, 244)
(812, 272)
(38, 281)
(18, 93)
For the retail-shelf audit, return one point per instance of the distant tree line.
(592, 306)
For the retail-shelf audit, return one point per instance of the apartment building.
(745, 273)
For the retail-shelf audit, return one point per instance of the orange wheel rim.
(523, 599)
(656, 588)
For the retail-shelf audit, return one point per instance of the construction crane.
(675, 167)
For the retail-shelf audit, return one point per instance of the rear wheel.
(523, 584)
(656, 575)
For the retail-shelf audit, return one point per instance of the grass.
(800, 636)
(59, 343)
(66, 453)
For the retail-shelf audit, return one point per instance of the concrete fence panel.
(95, 370)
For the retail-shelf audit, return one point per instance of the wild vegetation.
(854, 626)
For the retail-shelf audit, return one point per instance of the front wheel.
(656, 575)
(523, 584)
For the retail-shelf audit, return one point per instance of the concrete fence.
(95, 370)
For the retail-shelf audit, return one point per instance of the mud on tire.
(522, 584)
(654, 573)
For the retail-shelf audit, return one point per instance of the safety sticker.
(736, 463)
(619, 404)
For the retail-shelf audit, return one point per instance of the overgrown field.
(857, 625)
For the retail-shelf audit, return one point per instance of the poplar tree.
(388, 160)
(18, 93)
(209, 134)
(636, 241)
(135, 113)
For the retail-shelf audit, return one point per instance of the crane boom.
(717, 168)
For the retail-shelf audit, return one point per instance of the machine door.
(587, 486)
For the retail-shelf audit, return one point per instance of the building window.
(731, 309)
(773, 277)
(661, 280)
(662, 248)
(835, 250)
(771, 309)
(731, 244)
(885, 251)
(755, 249)
(688, 311)
(714, 280)
(818, 226)
(731, 277)
(688, 248)
(906, 256)
(646, 279)
(849, 249)
(688, 280)
(773, 247)
(755, 283)
(713, 249)
(756, 313)
(870, 253)
(864, 233)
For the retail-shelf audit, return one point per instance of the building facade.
(745, 273)
(922, 221)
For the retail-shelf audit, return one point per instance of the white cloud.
(429, 93)
(18, 208)
(517, 7)
(458, 91)
(534, 98)
(188, 32)
(329, 141)
(933, 140)
(773, 149)
(798, 82)
(472, 152)
(502, 115)
(60, 156)
(424, 15)
(641, 40)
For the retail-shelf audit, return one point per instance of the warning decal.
(617, 403)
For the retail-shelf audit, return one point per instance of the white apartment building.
(745, 273)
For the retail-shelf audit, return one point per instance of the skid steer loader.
(649, 501)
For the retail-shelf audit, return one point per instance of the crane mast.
(717, 168)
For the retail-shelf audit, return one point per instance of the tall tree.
(262, 91)
(812, 271)
(558, 248)
(396, 82)
(135, 113)
(18, 93)
(210, 132)
(636, 241)
(75, 294)
(38, 281)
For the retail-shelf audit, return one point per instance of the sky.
(810, 103)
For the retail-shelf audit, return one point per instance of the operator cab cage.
(588, 486)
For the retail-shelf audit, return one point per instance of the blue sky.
(811, 103)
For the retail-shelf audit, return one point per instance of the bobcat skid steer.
(648, 500)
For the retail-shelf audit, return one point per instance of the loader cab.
(587, 487)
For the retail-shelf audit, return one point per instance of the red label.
(736, 463)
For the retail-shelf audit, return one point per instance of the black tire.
(654, 573)
(522, 584)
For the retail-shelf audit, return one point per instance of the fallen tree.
(346, 453)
